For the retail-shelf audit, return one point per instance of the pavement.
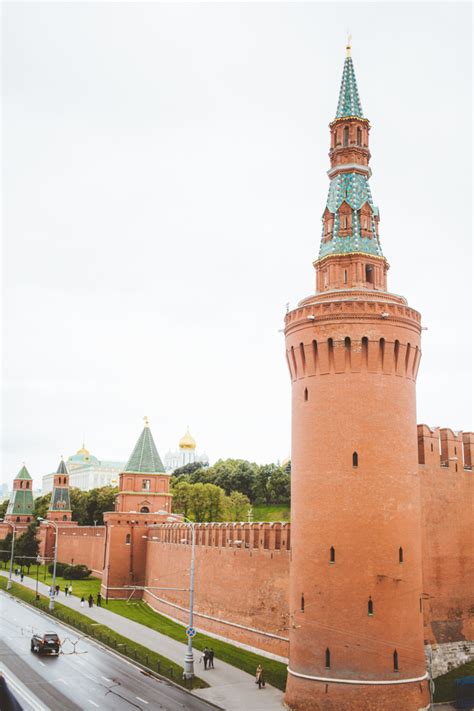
(230, 688)
(83, 676)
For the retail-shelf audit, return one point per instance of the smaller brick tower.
(20, 507)
(143, 500)
(60, 505)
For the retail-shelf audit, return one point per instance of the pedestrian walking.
(82, 601)
(65, 590)
(91, 600)
(70, 589)
(99, 599)
(211, 658)
(22, 576)
(259, 677)
(206, 657)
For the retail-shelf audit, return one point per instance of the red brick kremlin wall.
(241, 580)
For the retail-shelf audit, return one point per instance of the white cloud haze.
(164, 176)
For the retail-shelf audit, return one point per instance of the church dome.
(187, 442)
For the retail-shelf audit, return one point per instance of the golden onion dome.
(187, 442)
(83, 452)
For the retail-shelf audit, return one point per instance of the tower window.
(431, 446)
(369, 273)
(400, 555)
(359, 137)
(345, 276)
(346, 135)
(27, 484)
(395, 661)
(128, 539)
(302, 602)
(355, 459)
(327, 658)
(144, 509)
(146, 484)
(332, 555)
(370, 607)
(306, 394)
(64, 517)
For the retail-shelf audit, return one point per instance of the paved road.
(84, 677)
(230, 688)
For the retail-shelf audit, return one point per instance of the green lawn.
(275, 672)
(271, 512)
(79, 587)
(444, 685)
(107, 636)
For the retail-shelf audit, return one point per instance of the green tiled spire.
(145, 458)
(21, 499)
(23, 474)
(60, 500)
(349, 102)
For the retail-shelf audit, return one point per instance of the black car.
(47, 643)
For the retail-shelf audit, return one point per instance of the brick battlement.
(256, 536)
(444, 448)
(342, 355)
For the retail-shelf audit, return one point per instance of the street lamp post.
(53, 584)
(38, 560)
(188, 672)
(12, 553)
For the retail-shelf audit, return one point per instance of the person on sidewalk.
(91, 600)
(22, 576)
(206, 657)
(99, 599)
(57, 590)
(211, 658)
(82, 601)
(70, 590)
(66, 589)
(259, 677)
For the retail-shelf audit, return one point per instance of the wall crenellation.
(258, 536)
(445, 448)
(330, 355)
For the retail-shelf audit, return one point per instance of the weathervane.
(348, 45)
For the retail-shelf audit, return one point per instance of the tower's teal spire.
(349, 102)
(145, 457)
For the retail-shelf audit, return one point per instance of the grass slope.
(107, 636)
(444, 685)
(275, 672)
(271, 512)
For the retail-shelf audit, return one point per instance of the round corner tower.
(353, 350)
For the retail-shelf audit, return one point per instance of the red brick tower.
(353, 349)
(60, 505)
(143, 500)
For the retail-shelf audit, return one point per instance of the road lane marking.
(42, 663)
(93, 703)
(63, 681)
(142, 700)
(105, 679)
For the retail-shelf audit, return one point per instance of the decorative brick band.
(364, 682)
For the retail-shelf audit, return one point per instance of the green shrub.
(75, 572)
(60, 567)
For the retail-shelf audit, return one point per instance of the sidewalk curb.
(103, 646)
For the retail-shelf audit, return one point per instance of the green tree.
(5, 548)
(3, 508)
(199, 502)
(238, 504)
(279, 487)
(42, 505)
(27, 546)
(182, 497)
(215, 502)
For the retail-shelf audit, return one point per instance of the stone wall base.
(449, 655)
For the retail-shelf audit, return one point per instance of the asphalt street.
(83, 676)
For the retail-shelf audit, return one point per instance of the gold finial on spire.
(145, 420)
(348, 45)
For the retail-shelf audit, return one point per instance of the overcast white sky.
(164, 175)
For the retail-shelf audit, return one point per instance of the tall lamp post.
(188, 672)
(53, 584)
(12, 553)
(38, 561)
